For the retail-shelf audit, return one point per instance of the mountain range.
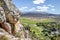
(39, 14)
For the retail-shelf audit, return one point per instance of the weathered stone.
(9, 22)
(8, 37)
(11, 12)
(18, 27)
(3, 22)
(2, 15)
(2, 31)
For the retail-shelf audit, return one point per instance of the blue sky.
(51, 6)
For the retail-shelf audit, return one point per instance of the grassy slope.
(26, 20)
(32, 21)
(34, 28)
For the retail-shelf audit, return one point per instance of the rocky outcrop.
(9, 18)
(11, 15)
(10, 27)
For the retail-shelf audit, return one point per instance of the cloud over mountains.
(43, 8)
(38, 8)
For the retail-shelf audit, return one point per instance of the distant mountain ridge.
(38, 14)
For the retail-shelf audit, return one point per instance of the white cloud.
(23, 9)
(32, 9)
(51, 5)
(38, 1)
(42, 8)
(53, 9)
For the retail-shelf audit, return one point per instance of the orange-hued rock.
(6, 27)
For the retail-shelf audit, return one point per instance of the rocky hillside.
(10, 27)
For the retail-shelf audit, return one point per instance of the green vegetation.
(25, 20)
(46, 29)
(47, 20)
